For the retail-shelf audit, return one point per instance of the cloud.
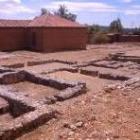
(13, 1)
(11, 7)
(82, 6)
(125, 1)
(133, 10)
(94, 7)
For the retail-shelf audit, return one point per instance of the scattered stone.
(79, 124)
(96, 134)
(73, 127)
(66, 125)
(70, 139)
(136, 130)
(71, 133)
(116, 136)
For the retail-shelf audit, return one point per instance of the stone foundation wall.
(73, 70)
(12, 77)
(16, 65)
(26, 123)
(105, 75)
(124, 58)
(30, 113)
(32, 63)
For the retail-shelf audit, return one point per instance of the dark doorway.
(33, 38)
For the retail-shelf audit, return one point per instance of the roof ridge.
(45, 20)
(29, 23)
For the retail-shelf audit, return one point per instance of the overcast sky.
(88, 11)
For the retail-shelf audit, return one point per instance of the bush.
(100, 38)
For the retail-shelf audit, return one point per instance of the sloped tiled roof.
(49, 20)
(14, 23)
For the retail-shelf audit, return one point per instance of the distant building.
(45, 33)
(116, 37)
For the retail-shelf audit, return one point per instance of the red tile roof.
(14, 23)
(41, 21)
(49, 20)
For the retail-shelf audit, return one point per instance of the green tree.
(63, 12)
(44, 11)
(93, 29)
(116, 26)
(71, 17)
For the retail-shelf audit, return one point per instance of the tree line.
(62, 12)
(114, 27)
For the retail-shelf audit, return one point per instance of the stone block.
(71, 92)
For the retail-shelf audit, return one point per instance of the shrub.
(99, 38)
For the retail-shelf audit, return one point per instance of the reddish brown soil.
(112, 116)
(34, 90)
(5, 118)
(92, 52)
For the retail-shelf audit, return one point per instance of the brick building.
(44, 33)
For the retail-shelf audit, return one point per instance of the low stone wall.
(5, 70)
(18, 103)
(12, 77)
(87, 63)
(73, 70)
(15, 77)
(19, 76)
(32, 63)
(49, 81)
(107, 64)
(105, 75)
(17, 65)
(123, 57)
(112, 76)
(85, 71)
(30, 113)
(26, 122)
(71, 92)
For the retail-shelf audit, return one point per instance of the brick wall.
(130, 38)
(57, 39)
(42, 39)
(124, 38)
(34, 39)
(12, 39)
